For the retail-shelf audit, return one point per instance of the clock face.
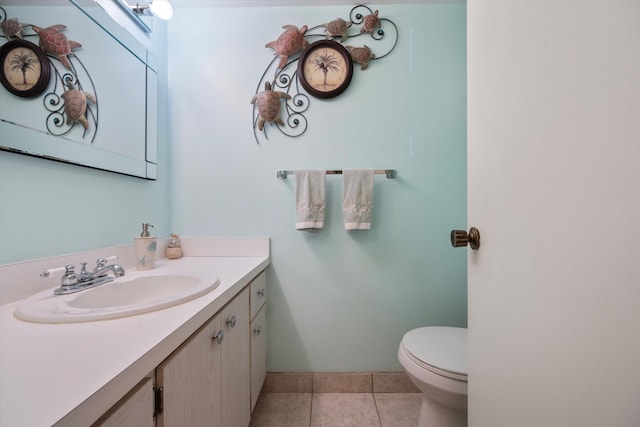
(325, 69)
(24, 68)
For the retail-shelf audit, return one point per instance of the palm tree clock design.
(25, 68)
(22, 61)
(325, 69)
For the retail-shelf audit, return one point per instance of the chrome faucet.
(99, 271)
(74, 282)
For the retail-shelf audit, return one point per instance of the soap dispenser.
(174, 250)
(145, 248)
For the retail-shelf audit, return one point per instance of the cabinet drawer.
(258, 293)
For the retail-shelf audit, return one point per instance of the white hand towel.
(357, 198)
(310, 199)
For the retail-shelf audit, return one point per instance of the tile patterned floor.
(336, 410)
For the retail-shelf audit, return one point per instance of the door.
(190, 381)
(554, 188)
(133, 410)
(258, 354)
(235, 380)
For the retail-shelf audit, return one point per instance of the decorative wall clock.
(24, 68)
(325, 69)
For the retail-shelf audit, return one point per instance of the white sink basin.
(123, 297)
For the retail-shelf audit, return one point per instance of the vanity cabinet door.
(258, 353)
(133, 410)
(258, 299)
(235, 383)
(190, 381)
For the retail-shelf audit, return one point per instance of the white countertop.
(70, 374)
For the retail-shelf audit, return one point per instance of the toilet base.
(444, 399)
(434, 414)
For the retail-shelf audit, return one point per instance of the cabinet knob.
(232, 321)
(257, 330)
(218, 337)
(261, 293)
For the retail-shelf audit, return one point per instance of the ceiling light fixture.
(160, 8)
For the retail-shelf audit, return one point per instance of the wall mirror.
(118, 76)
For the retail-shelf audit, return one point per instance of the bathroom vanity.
(204, 358)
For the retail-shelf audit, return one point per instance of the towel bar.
(390, 173)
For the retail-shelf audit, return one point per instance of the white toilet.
(435, 358)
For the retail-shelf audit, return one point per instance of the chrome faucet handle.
(68, 270)
(48, 272)
(101, 262)
(70, 277)
(67, 283)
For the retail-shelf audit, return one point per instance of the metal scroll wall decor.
(365, 38)
(68, 94)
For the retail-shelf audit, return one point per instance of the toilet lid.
(441, 349)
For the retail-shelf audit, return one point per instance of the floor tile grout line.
(375, 402)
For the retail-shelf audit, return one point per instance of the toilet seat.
(439, 349)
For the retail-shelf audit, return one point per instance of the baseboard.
(340, 382)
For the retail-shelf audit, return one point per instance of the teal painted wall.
(49, 208)
(339, 301)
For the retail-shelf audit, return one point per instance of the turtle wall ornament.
(268, 103)
(371, 23)
(12, 28)
(361, 55)
(289, 42)
(53, 41)
(337, 28)
(75, 104)
(295, 65)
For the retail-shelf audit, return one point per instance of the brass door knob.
(460, 238)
